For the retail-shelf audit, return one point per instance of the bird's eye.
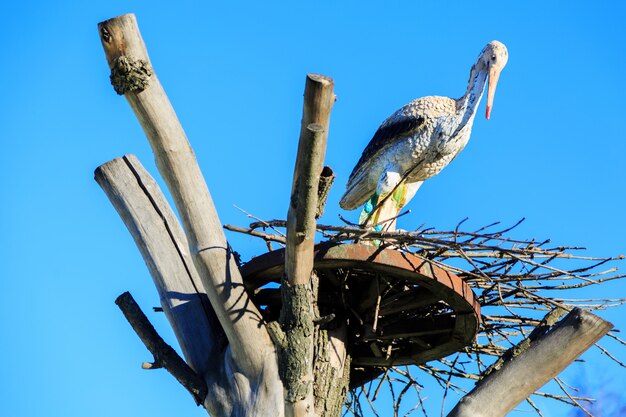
(493, 57)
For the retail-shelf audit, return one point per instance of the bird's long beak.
(494, 74)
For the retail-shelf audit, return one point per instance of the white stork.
(417, 142)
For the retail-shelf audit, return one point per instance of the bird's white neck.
(468, 104)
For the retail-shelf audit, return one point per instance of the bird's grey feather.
(392, 130)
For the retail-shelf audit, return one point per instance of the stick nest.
(516, 281)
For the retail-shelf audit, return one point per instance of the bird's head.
(494, 58)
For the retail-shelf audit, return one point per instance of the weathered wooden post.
(530, 369)
(296, 356)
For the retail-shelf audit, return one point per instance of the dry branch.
(541, 329)
(265, 236)
(161, 241)
(164, 355)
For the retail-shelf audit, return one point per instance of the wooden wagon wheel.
(400, 308)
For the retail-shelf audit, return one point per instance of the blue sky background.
(553, 152)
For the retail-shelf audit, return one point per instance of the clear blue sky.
(553, 152)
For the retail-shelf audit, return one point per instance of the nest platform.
(400, 308)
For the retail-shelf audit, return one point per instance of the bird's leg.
(389, 209)
(386, 202)
(369, 217)
(366, 218)
(388, 212)
(401, 195)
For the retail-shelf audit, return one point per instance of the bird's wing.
(414, 119)
(395, 128)
(360, 185)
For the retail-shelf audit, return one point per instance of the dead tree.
(253, 351)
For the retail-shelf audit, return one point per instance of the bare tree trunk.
(250, 357)
(178, 166)
(499, 392)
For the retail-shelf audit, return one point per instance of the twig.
(265, 236)
(583, 409)
(261, 223)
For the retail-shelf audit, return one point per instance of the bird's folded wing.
(395, 128)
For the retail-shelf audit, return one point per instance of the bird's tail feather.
(358, 192)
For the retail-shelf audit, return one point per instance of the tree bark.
(331, 362)
(499, 392)
(250, 361)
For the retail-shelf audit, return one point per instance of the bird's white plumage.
(420, 139)
(426, 153)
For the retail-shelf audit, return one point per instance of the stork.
(416, 142)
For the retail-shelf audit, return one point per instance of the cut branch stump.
(502, 390)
